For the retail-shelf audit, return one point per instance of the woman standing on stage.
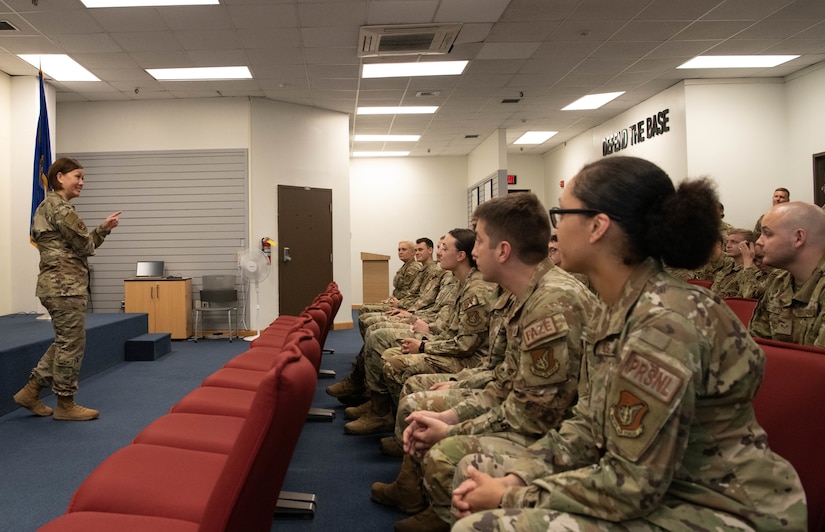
(65, 244)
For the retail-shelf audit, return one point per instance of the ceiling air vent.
(413, 39)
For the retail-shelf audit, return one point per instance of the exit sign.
(511, 179)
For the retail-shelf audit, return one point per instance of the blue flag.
(42, 156)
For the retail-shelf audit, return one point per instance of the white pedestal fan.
(254, 267)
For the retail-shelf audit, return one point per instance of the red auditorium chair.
(166, 489)
(205, 430)
(787, 406)
(701, 282)
(743, 307)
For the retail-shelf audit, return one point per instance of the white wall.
(666, 150)
(489, 157)
(5, 193)
(287, 144)
(805, 108)
(299, 146)
(737, 135)
(396, 199)
(529, 172)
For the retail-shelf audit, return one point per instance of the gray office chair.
(218, 294)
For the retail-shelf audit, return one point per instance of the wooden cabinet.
(167, 301)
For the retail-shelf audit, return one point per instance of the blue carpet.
(43, 461)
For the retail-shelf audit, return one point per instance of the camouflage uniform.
(664, 434)
(752, 281)
(708, 271)
(406, 283)
(460, 343)
(536, 385)
(431, 278)
(789, 315)
(725, 280)
(416, 393)
(65, 244)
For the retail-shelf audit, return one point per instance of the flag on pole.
(42, 156)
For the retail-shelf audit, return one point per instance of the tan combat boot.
(355, 412)
(406, 493)
(29, 397)
(351, 386)
(426, 521)
(391, 446)
(378, 419)
(68, 410)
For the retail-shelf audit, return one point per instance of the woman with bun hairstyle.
(663, 436)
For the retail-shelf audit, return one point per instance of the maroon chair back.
(701, 282)
(787, 406)
(743, 307)
(246, 494)
(337, 298)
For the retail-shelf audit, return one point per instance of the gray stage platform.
(24, 339)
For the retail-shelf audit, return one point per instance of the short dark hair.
(521, 220)
(426, 241)
(64, 165)
(680, 225)
(785, 190)
(465, 239)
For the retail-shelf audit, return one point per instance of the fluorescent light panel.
(387, 138)
(535, 137)
(199, 73)
(403, 70)
(380, 153)
(737, 61)
(146, 3)
(411, 110)
(59, 67)
(592, 101)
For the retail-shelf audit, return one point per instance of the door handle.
(287, 257)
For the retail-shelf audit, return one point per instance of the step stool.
(149, 346)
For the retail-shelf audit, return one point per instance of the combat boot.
(68, 410)
(391, 446)
(426, 521)
(356, 412)
(378, 419)
(29, 397)
(354, 386)
(406, 493)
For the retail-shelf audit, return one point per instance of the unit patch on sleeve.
(473, 318)
(650, 377)
(627, 414)
(544, 363)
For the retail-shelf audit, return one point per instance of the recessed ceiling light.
(535, 137)
(403, 70)
(387, 138)
(380, 153)
(199, 73)
(410, 110)
(592, 101)
(737, 61)
(59, 67)
(146, 3)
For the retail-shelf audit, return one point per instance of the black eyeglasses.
(555, 212)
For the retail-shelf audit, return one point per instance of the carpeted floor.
(43, 461)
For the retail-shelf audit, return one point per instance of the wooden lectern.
(375, 277)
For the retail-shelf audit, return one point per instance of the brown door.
(304, 251)
(819, 179)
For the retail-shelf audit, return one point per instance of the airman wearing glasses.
(664, 411)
